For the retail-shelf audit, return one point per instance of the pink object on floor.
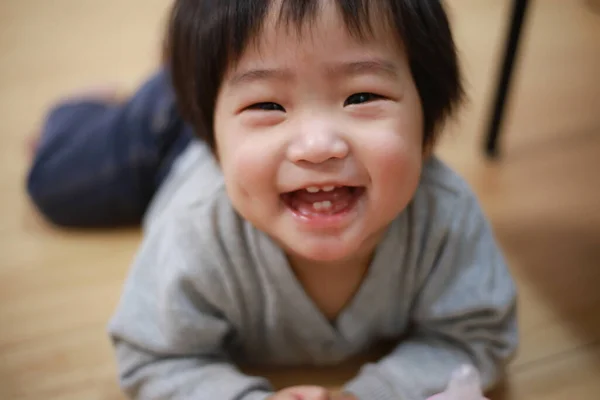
(464, 385)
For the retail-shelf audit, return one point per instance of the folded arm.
(464, 314)
(170, 334)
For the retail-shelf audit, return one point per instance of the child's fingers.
(309, 393)
(283, 396)
(287, 396)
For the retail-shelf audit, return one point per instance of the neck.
(316, 270)
(332, 284)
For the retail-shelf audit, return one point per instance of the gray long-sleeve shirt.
(208, 290)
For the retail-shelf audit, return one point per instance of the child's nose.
(318, 146)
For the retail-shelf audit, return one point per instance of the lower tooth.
(322, 205)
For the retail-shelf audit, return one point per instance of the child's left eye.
(359, 98)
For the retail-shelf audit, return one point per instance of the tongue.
(322, 202)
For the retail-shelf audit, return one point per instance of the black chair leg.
(510, 52)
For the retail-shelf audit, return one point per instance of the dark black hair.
(206, 36)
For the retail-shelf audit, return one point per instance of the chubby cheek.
(253, 172)
(249, 175)
(395, 163)
(394, 150)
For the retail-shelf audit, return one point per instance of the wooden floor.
(58, 288)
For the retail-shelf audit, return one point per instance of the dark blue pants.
(99, 164)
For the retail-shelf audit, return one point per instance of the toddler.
(312, 221)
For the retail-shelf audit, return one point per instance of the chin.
(324, 250)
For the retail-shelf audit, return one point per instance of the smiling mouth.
(326, 202)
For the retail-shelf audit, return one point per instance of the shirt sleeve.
(464, 314)
(170, 331)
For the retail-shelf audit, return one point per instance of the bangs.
(245, 19)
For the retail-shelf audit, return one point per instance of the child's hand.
(303, 393)
(310, 393)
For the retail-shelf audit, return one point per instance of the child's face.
(321, 110)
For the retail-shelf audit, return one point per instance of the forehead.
(323, 33)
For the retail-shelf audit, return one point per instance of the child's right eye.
(266, 106)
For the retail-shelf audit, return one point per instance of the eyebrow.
(365, 67)
(254, 75)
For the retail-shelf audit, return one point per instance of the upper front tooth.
(328, 188)
(312, 189)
